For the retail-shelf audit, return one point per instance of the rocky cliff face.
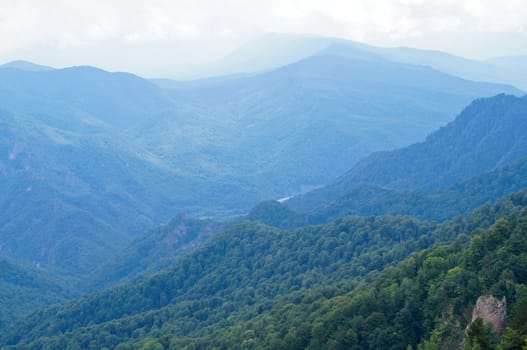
(492, 311)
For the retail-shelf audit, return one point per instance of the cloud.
(210, 26)
(399, 19)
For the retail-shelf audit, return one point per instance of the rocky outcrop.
(492, 311)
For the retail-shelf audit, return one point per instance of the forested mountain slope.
(425, 302)
(247, 264)
(69, 199)
(437, 206)
(440, 205)
(155, 250)
(304, 124)
(24, 289)
(488, 134)
(246, 271)
(91, 159)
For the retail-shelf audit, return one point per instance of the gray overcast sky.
(150, 37)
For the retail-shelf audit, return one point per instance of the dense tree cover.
(156, 250)
(250, 271)
(24, 289)
(425, 302)
(274, 213)
(242, 270)
(488, 134)
(441, 205)
(438, 206)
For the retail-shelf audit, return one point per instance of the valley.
(334, 195)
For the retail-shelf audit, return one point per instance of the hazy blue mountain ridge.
(289, 48)
(119, 100)
(25, 65)
(85, 175)
(92, 159)
(297, 116)
(69, 200)
(366, 200)
(488, 134)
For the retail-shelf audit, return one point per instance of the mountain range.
(277, 49)
(176, 242)
(125, 203)
(308, 109)
(366, 200)
(249, 270)
(26, 65)
(488, 134)
(93, 159)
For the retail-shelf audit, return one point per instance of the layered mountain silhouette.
(250, 269)
(322, 114)
(26, 65)
(277, 49)
(129, 191)
(92, 159)
(488, 134)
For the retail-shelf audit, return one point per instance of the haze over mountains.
(25, 65)
(488, 134)
(316, 105)
(276, 49)
(93, 163)
(75, 137)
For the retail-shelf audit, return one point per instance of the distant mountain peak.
(26, 65)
